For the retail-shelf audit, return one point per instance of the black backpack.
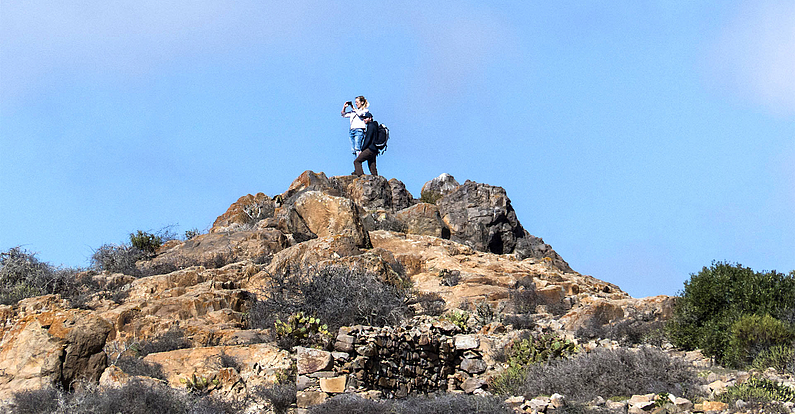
(381, 137)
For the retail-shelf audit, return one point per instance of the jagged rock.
(383, 220)
(473, 365)
(313, 252)
(471, 384)
(246, 211)
(369, 192)
(52, 348)
(481, 216)
(311, 181)
(464, 342)
(401, 198)
(326, 215)
(311, 360)
(437, 188)
(423, 219)
(214, 249)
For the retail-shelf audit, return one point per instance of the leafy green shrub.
(458, 318)
(606, 372)
(779, 357)
(336, 294)
(145, 242)
(199, 384)
(716, 297)
(758, 390)
(752, 334)
(429, 404)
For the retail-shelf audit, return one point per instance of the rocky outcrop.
(423, 219)
(401, 198)
(465, 248)
(51, 347)
(481, 216)
(438, 187)
(244, 212)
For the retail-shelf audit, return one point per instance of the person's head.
(361, 102)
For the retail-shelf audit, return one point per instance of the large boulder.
(370, 192)
(326, 215)
(312, 252)
(481, 216)
(437, 188)
(401, 198)
(52, 347)
(423, 219)
(244, 212)
(217, 249)
(312, 181)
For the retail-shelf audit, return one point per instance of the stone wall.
(419, 357)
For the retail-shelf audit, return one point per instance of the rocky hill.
(458, 246)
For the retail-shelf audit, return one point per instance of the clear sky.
(641, 139)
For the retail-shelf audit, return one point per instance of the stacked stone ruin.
(418, 357)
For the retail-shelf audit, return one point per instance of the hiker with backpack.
(358, 117)
(369, 149)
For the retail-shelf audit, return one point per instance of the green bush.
(779, 357)
(758, 390)
(716, 297)
(300, 329)
(145, 242)
(752, 334)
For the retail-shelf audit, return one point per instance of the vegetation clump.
(610, 372)
(528, 351)
(723, 295)
(22, 275)
(339, 295)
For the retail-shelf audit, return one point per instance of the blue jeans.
(357, 135)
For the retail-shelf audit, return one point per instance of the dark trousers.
(368, 155)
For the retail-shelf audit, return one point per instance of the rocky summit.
(474, 279)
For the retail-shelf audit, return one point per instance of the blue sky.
(642, 140)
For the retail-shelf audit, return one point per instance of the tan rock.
(423, 219)
(333, 385)
(707, 406)
(327, 215)
(311, 360)
(245, 211)
(257, 364)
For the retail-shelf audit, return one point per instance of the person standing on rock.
(369, 150)
(358, 116)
